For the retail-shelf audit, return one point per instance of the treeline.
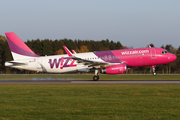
(55, 47)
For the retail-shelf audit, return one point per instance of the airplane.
(100, 62)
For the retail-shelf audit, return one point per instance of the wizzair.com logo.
(61, 63)
(134, 52)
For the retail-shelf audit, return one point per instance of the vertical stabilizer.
(19, 49)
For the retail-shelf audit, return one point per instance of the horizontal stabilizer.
(13, 63)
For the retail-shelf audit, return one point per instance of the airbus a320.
(102, 62)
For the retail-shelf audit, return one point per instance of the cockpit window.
(164, 52)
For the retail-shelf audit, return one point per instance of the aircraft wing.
(88, 62)
(84, 61)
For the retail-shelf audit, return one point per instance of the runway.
(88, 82)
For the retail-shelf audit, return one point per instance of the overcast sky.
(135, 23)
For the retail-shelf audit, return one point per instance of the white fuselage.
(55, 64)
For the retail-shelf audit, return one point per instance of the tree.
(112, 45)
(82, 49)
(2, 38)
(104, 48)
(125, 47)
(46, 47)
(150, 45)
(59, 52)
(3, 46)
(119, 45)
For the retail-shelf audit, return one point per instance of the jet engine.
(115, 69)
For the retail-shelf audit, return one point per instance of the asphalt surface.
(89, 82)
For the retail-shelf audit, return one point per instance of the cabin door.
(153, 53)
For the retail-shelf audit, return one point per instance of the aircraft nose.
(174, 57)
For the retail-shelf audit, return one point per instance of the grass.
(97, 102)
(87, 77)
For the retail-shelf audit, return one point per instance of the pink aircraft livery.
(102, 62)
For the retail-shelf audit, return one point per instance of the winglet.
(74, 52)
(67, 51)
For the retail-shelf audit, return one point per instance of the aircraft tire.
(154, 73)
(96, 78)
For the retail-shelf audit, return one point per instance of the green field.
(87, 102)
(87, 77)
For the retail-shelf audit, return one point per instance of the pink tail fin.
(18, 48)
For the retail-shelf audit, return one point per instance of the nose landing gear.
(154, 70)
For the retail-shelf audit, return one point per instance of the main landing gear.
(96, 77)
(154, 70)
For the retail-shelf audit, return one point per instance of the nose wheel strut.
(154, 70)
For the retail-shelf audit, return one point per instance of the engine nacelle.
(115, 69)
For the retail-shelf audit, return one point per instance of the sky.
(134, 23)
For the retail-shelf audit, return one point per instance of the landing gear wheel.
(154, 73)
(96, 78)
